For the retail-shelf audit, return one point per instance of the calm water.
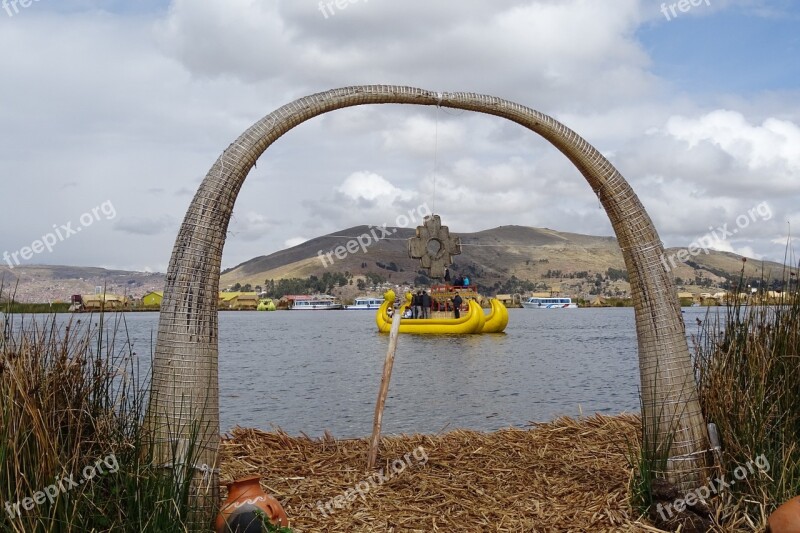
(312, 371)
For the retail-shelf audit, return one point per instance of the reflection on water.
(312, 371)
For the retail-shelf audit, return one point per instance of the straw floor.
(568, 475)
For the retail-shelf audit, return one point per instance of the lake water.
(315, 371)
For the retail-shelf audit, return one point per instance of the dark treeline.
(318, 284)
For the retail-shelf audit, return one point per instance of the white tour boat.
(366, 303)
(549, 303)
(316, 302)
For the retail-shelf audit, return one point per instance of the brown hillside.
(540, 255)
(490, 257)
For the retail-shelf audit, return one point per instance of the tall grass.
(72, 402)
(747, 366)
(648, 455)
(748, 371)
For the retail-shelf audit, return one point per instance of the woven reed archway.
(185, 386)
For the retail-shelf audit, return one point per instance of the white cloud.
(769, 152)
(294, 241)
(136, 108)
(422, 136)
(372, 190)
(250, 226)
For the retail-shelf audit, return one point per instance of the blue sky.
(131, 103)
(117, 7)
(740, 50)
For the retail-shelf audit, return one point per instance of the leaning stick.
(384, 390)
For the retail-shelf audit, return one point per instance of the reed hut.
(152, 299)
(98, 302)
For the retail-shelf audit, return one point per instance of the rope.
(436, 149)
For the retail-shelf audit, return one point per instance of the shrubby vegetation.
(747, 365)
(748, 371)
(70, 398)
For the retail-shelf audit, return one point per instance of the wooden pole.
(387, 375)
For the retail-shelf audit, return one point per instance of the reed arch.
(185, 395)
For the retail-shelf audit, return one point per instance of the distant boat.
(549, 303)
(316, 302)
(266, 304)
(365, 303)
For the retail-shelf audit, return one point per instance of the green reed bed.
(748, 370)
(18, 307)
(73, 454)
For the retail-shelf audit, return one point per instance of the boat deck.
(442, 296)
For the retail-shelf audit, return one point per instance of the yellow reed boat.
(472, 321)
(497, 319)
(266, 304)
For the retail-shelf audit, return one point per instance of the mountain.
(547, 259)
(504, 259)
(46, 283)
(490, 255)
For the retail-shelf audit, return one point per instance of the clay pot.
(786, 518)
(238, 513)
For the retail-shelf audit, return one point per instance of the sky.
(112, 112)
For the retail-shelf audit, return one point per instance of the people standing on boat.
(457, 306)
(447, 275)
(426, 304)
(466, 281)
(418, 305)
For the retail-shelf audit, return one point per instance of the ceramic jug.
(245, 497)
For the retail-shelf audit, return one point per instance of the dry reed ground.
(567, 475)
